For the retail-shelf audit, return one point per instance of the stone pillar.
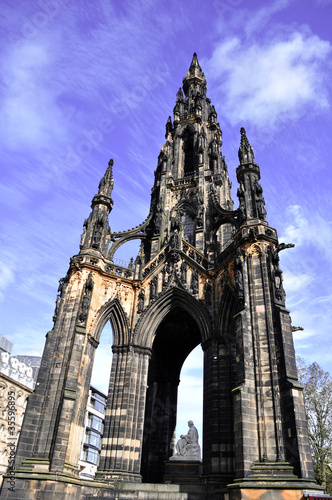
(297, 448)
(50, 408)
(124, 416)
(159, 428)
(218, 436)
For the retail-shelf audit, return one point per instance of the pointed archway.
(177, 335)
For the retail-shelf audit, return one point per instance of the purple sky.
(83, 82)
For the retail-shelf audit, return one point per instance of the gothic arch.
(188, 128)
(188, 217)
(175, 297)
(115, 247)
(189, 149)
(172, 328)
(183, 205)
(111, 311)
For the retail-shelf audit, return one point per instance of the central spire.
(195, 69)
(194, 77)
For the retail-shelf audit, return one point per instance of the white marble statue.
(187, 448)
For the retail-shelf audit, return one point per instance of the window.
(99, 397)
(189, 153)
(93, 438)
(188, 228)
(95, 422)
(90, 455)
(98, 402)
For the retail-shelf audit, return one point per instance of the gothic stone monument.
(206, 274)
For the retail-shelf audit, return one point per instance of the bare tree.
(317, 391)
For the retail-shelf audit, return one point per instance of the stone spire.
(195, 77)
(106, 183)
(246, 153)
(96, 229)
(250, 192)
(190, 164)
(195, 69)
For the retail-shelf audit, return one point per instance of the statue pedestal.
(182, 472)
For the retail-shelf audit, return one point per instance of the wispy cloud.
(264, 83)
(6, 277)
(308, 228)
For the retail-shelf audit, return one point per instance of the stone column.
(159, 427)
(218, 436)
(124, 416)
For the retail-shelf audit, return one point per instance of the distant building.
(18, 376)
(94, 424)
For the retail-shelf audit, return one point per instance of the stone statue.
(187, 448)
(140, 306)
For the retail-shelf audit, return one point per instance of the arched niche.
(189, 153)
(176, 336)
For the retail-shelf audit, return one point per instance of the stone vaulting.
(206, 274)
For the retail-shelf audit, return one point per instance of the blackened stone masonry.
(206, 274)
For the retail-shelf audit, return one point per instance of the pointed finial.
(213, 115)
(246, 153)
(195, 69)
(169, 127)
(179, 95)
(109, 171)
(107, 181)
(194, 75)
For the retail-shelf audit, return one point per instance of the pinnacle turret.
(195, 69)
(250, 192)
(96, 230)
(106, 183)
(195, 78)
(246, 153)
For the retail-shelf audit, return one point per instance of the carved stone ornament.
(194, 282)
(140, 305)
(166, 274)
(97, 233)
(153, 288)
(242, 206)
(280, 293)
(183, 273)
(260, 202)
(175, 240)
(208, 293)
(86, 299)
(239, 285)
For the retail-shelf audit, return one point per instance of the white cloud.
(308, 229)
(26, 100)
(256, 21)
(266, 82)
(6, 277)
(294, 282)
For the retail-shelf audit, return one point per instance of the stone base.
(63, 487)
(182, 472)
(271, 494)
